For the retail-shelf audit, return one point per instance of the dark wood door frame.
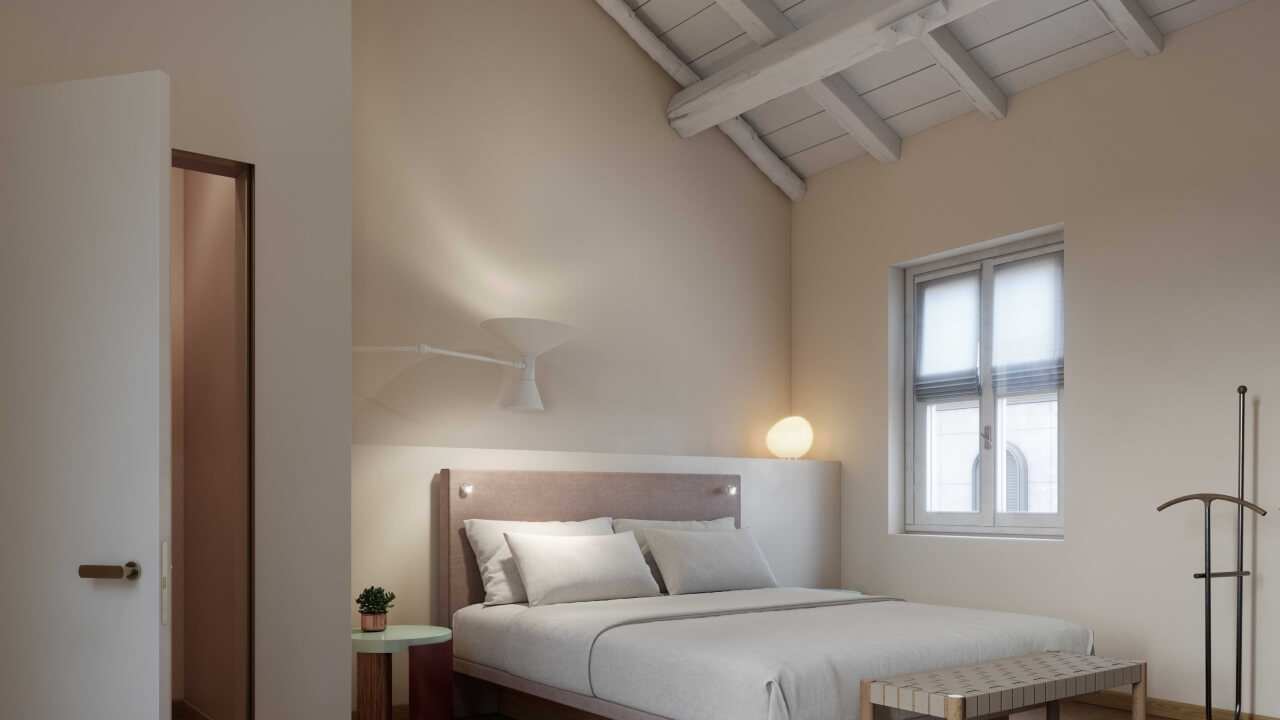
(242, 173)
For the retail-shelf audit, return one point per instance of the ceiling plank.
(764, 23)
(972, 80)
(1133, 26)
(824, 48)
(735, 127)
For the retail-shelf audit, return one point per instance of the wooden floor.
(1070, 711)
(1078, 711)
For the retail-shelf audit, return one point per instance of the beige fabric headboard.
(538, 495)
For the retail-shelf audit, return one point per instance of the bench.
(997, 688)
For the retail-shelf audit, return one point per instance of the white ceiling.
(1019, 43)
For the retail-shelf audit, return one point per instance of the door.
(84, 415)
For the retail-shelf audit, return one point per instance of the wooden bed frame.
(539, 495)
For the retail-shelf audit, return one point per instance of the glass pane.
(1027, 479)
(1027, 312)
(947, 329)
(952, 456)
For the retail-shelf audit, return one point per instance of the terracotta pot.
(373, 623)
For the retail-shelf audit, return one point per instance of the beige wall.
(512, 158)
(792, 507)
(266, 83)
(1165, 172)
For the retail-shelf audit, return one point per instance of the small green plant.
(374, 601)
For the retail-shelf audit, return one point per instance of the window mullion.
(986, 406)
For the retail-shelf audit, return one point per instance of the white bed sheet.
(480, 633)
(775, 654)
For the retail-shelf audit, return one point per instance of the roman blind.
(947, 337)
(1027, 336)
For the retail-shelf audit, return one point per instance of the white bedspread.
(776, 654)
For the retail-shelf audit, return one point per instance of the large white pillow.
(639, 526)
(698, 562)
(578, 569)
(497, 568)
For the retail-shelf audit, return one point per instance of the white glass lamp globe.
(790, 438)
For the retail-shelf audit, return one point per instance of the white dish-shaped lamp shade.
(529, 335)
(790, 437)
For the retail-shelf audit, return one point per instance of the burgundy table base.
(431, 681)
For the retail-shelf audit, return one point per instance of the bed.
(762, 654)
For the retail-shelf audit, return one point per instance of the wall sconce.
(529, 336)
(790, 438)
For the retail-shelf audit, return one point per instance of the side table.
(430, 651)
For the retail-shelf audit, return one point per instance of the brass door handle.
(128, 571)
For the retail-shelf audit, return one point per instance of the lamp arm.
(428, 350)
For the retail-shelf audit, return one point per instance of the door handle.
(986, 437)
(128, 571)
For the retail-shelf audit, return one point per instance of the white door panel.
(84, 414)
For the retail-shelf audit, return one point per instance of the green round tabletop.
(398, 638)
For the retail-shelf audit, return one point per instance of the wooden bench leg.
(868, 710)
(1140, 694)
(1051, 710)
(953, 707)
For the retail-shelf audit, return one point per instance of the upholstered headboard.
(539, 495)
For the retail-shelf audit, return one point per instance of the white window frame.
(986, 521)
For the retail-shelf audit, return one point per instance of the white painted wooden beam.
(1133, 26)
(764, 23)
(972, 80)
(735, 127)
(843, 38)
(761, 20)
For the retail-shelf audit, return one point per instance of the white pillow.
(578, 569)
(497, 569)
(639, 526)
(698, 562)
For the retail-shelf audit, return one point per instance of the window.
(984, 369)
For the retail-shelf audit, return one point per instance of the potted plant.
(374, 602)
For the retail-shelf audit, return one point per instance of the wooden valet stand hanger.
(1209, 576)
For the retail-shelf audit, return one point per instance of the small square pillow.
(578, 569)
(498, 569)
(698, 562)
(638, 527)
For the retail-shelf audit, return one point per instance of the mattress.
(771, 654)
(480, 633)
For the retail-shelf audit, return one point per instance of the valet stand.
(1209, 576)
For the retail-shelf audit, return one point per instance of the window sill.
(1041, 534)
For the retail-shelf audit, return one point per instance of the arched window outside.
(1016, 478)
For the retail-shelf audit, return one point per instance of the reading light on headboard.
(530, 336)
